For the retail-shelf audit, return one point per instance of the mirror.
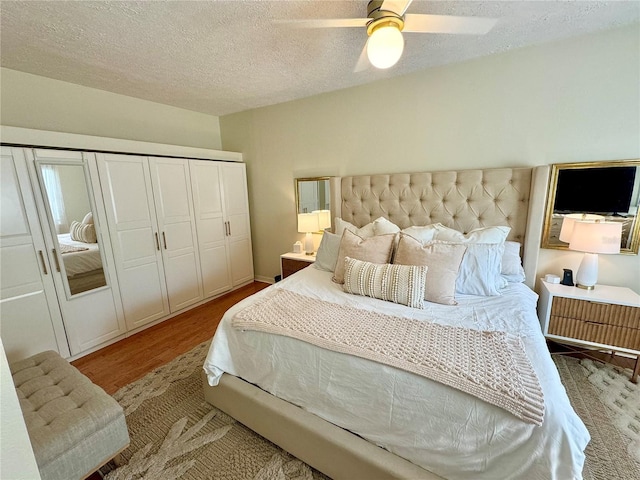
(312, 194)
(74, 231)
(609, 189)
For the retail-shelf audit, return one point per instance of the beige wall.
(576, 100)
(40, 103)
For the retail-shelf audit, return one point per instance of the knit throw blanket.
(64, 248)
(489, 365)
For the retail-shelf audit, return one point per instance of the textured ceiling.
(220, 57)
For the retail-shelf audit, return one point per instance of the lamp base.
(308, 244)
(588, 272)
(585, 287)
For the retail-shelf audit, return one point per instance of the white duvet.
(445, 431)
(85, 261)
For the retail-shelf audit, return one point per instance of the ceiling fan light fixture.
(385, 45)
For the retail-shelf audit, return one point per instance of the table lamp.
(569, 220)
(592, 238)
(308, 223)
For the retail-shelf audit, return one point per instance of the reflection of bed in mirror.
(82, 263)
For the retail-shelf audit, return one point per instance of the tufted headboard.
(463, 199)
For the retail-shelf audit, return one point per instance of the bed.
(82, 263)
(350, 417)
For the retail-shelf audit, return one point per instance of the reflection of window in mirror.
(610, 190)
(71, 214)
(312, 194)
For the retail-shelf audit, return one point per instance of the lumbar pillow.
(376, 249)
(402, 284)
(83, 233)
(443, 261)
(478, 235)
(327, 255)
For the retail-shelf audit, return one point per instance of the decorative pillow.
(83, 233)
(363, 232)
(402, 284)
(443, 261)
(425, 234)
(480, 269)
(88, 218)
(327, 255)
(512, 270)
(478, 235)
(382, 226)
(375, 249)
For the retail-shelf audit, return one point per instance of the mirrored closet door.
(71, 218)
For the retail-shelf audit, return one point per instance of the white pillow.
(327, 255)
(477, 235)
(403, 284)
(88, 218)
(479, 272)
(382, 226)
(363, 232)
(424, 234)
(512, 270)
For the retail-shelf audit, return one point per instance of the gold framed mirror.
(610, 189)
(312, 194)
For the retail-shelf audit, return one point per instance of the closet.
(168, 234)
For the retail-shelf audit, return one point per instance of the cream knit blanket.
(492, 366)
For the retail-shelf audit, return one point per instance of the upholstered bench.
(74, 426)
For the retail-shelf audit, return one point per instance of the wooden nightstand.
(292, 262)
(606, 318)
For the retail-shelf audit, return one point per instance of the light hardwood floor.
(130, 359)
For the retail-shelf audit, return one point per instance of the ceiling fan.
(385, 22)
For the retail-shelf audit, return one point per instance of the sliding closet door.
(212, 229)
(128, 196)
(234, 182)
(88, 295)
(31, 320)
(176, 226)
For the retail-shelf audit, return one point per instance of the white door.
(30, 316)
(89, 297)
(176, 226)
(236, 204)
(211, 226)
(128, 197)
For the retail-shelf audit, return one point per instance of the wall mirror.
(312, 194)
(77, 255)
(610, 189)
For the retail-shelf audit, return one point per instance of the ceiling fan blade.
(447, 24)
(328, 22)
(363, 60)
(396, 6)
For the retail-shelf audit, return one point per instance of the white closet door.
(210, 223)
(31, 320)
(128, 197)
(234, 181)
(176, 223)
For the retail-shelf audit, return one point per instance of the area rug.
(175, 434)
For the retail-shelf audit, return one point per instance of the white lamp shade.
(385, 46)
(596, 237)
(308, 222)
(324, 218)
(568, 221)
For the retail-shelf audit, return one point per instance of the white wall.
(575, 100)
(40, 103)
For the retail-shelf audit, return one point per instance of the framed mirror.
(70, 212)
(312, 194)
(610, 190)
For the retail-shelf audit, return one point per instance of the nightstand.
(291, 262)
(605, 318)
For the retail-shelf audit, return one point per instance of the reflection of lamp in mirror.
(593, 237)
(324, 218)
(569, 220)
(308, 223)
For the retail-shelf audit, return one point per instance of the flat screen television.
(605, 190)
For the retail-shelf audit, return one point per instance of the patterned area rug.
(175, 434)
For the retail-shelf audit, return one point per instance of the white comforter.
(445, 431)
(85, 261)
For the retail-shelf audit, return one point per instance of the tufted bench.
(74, 426)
